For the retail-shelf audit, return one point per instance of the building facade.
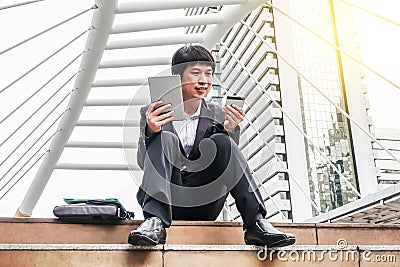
(307, 157)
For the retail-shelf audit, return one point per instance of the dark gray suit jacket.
(211, 121)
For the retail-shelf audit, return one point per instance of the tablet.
(237, 100)
(169, 90)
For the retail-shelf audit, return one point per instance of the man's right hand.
(155, 120)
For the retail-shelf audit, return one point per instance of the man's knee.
(222, 140)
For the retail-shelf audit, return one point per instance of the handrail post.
(102, 22)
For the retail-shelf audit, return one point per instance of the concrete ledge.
(54, 231)
(196, 255)
(117, 247)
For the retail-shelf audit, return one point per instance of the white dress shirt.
(186, 130)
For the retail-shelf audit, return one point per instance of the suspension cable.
(42, 62)
(266, 191)
(20, 4)
(342, 111)
(296, 126)
(12, 186)
(261, 184)
(37, 126)
(370, 12)
(313, 203)
(19, 127)
(259, 133)
(48, 29)
(37, 151)
(337, 47)
(59, 116)
(22, 175)
(40, 89)
(292, 121)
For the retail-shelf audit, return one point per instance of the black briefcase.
(92, 209)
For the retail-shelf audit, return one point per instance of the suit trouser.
(174, 187)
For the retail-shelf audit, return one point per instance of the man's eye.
(195, 73)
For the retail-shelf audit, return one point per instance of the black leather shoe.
(264, 234)
(150, 233)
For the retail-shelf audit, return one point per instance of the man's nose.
(203, 78)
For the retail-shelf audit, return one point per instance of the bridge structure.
(74, 133)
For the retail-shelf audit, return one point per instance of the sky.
(379, 42)
(379, 49)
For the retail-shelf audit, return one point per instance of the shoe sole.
(142, 240)
(280, 243)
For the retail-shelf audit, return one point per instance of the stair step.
(53, 231)
(190, 255)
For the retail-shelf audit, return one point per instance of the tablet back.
(169, 90)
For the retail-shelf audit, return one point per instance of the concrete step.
(195, 256)
(54, 231)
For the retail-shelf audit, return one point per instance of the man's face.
(196, 81)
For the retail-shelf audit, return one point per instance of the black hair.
(190, 55)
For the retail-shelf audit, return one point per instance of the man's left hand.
(233, 116)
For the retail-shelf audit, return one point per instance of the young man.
(191, 166)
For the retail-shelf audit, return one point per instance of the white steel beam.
(117, 102)
(93, 167)
(108, 123)
(155, 41)
(169, 23)
(154, 5)
(230, 15)
(102, 22)
(87, 144)
(120, 82)
(137, 62)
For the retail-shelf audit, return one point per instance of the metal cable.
(42, 62)
(268, 194)
(37, 151)
(330, 101)
(32, 145)
(19, 127)
(40, 89)
(23, 175)
(370, 12)
(298, 128)
(337, 48)
(342, 111)
(20, 4)
(290, 119)
(48, 29)
(272, 150)
(37, 126)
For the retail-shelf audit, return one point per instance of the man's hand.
(233, 116)
(155, 120)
